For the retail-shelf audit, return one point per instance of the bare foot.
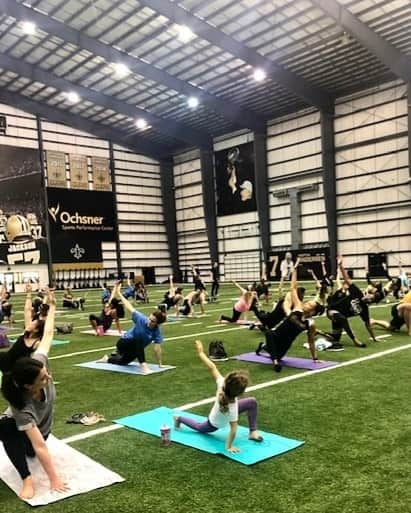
(177, 421)
(255, 436)
(145, 369)
(104, 359)
(27, 492)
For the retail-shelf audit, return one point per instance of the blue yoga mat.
(54, 342)
(131, 368)
(214, 443)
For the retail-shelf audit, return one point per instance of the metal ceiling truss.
(168, 127)
(235, 113)
(296, 84)
(397, 62)
(59, 116)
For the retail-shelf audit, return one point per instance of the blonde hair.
(234, 385)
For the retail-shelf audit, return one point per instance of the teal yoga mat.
(54, 342)
(131, 368)
(250, 453)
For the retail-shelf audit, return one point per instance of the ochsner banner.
(81, 214)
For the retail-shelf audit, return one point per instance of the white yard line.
(193, 336)
(209, 400)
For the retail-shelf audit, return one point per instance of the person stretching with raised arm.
(28, 387)
(133, 343)
(227, 406)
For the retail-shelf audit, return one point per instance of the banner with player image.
(281, 263)
(234, 171)
(22, 207)
(79, 222)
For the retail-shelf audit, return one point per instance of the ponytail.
(24, 372)
(234, 385)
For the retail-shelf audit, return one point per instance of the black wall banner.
(234, 168)
(79, 222)
(309, 259)
(22, 207)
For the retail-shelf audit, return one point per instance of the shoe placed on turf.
(336, 346)
(357, 343)
(251, 326)
(277, 367)
(260, 347)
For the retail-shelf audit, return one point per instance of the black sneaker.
(260, 347)
(251, 326)
(336, 347)
(277, 367)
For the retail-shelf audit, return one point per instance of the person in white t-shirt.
(227, 406)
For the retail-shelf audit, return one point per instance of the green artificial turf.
(354, 421)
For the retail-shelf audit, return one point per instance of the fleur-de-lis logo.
(77, 252)
(53, 211)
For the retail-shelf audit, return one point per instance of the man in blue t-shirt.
(132, 344)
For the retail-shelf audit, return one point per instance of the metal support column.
(113, 188)
(169, 208)
(261, 191)
(209, 200)
(43, 183)
(330, 194)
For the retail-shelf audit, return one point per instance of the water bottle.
(165, 435)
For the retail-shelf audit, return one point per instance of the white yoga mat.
(111, 333)
(81, 473)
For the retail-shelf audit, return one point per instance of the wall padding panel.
(193, 246)
(372, 172)
(142, 234)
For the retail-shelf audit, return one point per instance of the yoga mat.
(81, 473)
(214, 443)
(131, 368)
(175, 318)
(110, 333)
(287, 361)
(53, 343)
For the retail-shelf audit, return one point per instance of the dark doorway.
(376, 264)
(149, 274)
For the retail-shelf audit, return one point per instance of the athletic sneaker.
(251, 326)
(336, 347)
(260, 347)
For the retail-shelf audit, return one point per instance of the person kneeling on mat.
(227, 406)
(132, 344)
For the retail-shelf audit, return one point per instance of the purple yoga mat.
(287, 361)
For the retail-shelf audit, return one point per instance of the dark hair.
(39, 330)
(24, 372)
(44, 309)
(160, 316)
(319, 309)
(300, 293)
(234, 385)
(36, 304)
(179, 290)
(18, 350)
(378, 296)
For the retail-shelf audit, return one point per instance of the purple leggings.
(248, 404)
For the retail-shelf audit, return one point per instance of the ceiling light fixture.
(185, 34)
(72, 97)
(28, 27)
(193, 102)
(141, 124)
(259, 75)
(121, 70)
